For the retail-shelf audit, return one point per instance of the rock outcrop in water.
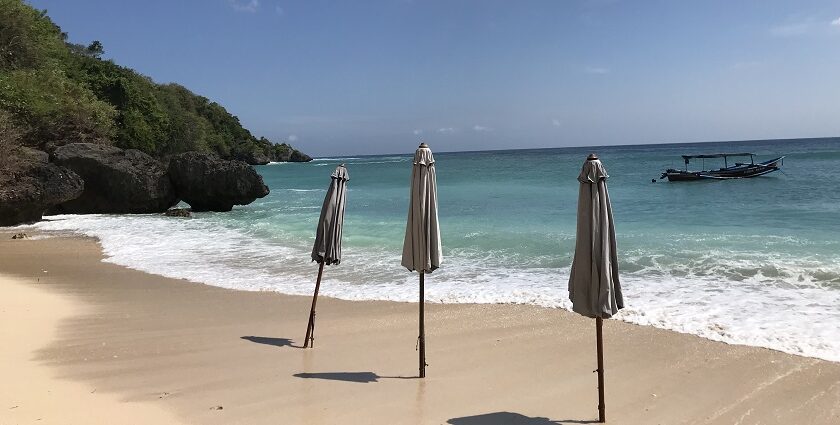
(208, 183)
(30, 185)
(254, 158)
(290, 155)
(178, 212)
(115, 180)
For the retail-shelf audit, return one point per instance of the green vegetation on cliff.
(53, 92)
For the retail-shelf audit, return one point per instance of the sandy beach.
(87, 342)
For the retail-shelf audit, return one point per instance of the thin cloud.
(446, 130)
(244, 5)
(596, 70)
(555, 122)
(293, 137)
(417, 132)
(481, 128)
(792, 29)
(279, 10)
(805, 26)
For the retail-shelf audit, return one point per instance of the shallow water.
(754, 261)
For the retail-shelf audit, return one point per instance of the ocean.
(753, 261)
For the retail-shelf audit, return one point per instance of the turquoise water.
(753, 261)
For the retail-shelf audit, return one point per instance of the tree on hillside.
(56, 92)
(48, 106)
(95, 49)
(28, 38)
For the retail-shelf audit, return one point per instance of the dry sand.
(31, 392)
(150, 346)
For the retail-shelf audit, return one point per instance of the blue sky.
(376, 76)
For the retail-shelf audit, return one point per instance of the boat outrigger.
(737, 171)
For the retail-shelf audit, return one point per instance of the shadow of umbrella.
(360, 377)
(510, 418)
(277, 342)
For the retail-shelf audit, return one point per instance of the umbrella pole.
(600, 343)
(422, 342)
(310, 328)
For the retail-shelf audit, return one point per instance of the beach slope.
(215, 356)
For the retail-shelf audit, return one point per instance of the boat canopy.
(717, 155)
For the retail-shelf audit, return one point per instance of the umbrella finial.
(424, 145)
(593, 156)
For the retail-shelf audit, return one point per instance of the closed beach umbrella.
(327, 247)
(594, 288)
(421, 248)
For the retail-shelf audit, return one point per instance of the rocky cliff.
(30, 185)
(84, 178)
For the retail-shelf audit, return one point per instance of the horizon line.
(590, 146)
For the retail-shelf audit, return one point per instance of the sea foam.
(749, 298)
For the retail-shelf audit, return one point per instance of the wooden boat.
(737, 171)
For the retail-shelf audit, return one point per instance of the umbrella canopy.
(327, 247)
(593, 282)
(421, 247)
(594, 288)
